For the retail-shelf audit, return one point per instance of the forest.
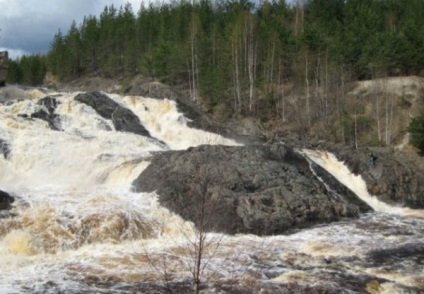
(244, 58)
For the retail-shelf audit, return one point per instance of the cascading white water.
(78, 227)
(74, 186)
(354, 182)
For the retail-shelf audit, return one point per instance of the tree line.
(238, 57)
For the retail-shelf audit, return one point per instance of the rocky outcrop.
(252, 189)
(47, 112)
(5, 200)
(123, 119)
(396, 178)
(387, 255)
(4, 148)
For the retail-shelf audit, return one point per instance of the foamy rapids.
(77, 227)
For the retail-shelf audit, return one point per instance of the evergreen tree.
(239, 57)
(73, 57)
(14, 73)
(33, 69)
(90, 44)
(108, 49)
(57, 55)
(416, 129)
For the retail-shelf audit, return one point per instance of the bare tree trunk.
(189, 79)
(281, 93)
(302, 15)
(317, 93)
(196, 73)
(199, 245)
(193, 34)
(326, 90)
(377, 102)
(356, 132)
(308, 110)
(251, 64)
(203, 247)
(271, 70)
(388, 114)
(245, 37)
(340, 104)
(236, 78)
(296, 23)
(386, 117)
(193, 70)
(299, 18)
(390, 121)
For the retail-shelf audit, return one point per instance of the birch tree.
(251, 59)
(194, 28)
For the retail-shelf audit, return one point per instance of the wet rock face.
(123, 119)
(101, 103)
(5, 200)
(47, 112)
(411, 251)
(251, 189)
(4, 148)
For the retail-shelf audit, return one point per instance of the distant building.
(4, 59)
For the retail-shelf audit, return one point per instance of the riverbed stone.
(47, 112)
(5, 200)
(123, 118)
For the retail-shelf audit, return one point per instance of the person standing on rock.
(372, 159)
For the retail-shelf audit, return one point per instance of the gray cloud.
(28, 26)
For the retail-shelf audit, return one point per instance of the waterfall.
(355, 183)
(77, 226)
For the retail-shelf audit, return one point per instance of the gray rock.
(5, 200)
(384, 255)
(123, 119)
(4, 148)
(100, 102)
(251, 189)
(47, 112)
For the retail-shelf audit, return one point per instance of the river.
(77, 227)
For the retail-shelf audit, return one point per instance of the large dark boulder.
(392, 255)
(47, 112)
(100, 102)
(123, 119)
(251, 189)
(5, 200)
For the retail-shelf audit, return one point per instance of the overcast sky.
(28, 26)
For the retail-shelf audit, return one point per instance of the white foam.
(77, 217)
(354, 182)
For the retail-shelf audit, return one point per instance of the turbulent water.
(77, 227)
